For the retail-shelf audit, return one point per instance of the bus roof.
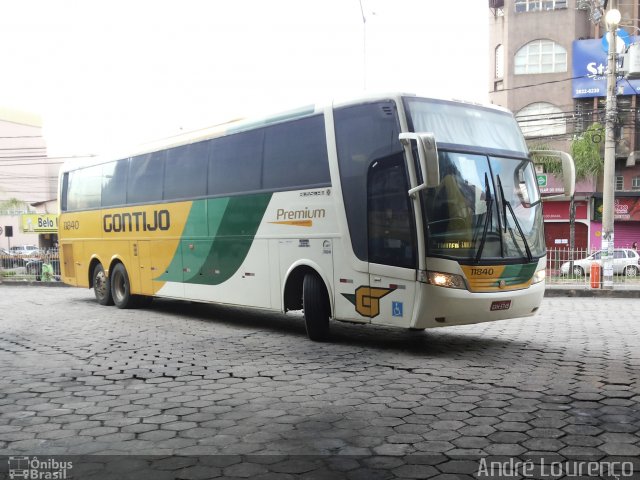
(242, 124)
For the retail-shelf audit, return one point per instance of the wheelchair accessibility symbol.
(396, 309)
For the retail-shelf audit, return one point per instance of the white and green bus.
(392, 210)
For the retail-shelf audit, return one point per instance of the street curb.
(594, 292)
(18, 283)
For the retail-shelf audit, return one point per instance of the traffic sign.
(623, 39)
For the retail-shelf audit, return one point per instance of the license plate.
(500, 305)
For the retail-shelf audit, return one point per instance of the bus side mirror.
(428, 158)
(568, 170)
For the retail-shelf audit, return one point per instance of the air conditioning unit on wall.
(631, 62)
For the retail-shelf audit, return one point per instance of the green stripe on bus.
(517, 274)
(232, 223)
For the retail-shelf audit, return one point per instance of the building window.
(619, 183)
(541, 56)
(499, 61)
(586, 113)
(539, 5)
(541, 120)
(635, 183)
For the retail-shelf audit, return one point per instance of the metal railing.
(45, 267)
(40, 267)
(572, 268)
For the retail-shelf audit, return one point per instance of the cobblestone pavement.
(248, 387)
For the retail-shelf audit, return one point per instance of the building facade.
(28, 181)
(549, 68)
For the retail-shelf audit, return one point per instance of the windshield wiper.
(487, 219)
(506, 205)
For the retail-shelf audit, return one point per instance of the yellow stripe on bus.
(492, 278)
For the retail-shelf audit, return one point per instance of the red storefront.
(556, 213)
(626, 220)
(557, 226)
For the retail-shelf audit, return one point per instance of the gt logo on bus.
(136, 221)
(367, 300)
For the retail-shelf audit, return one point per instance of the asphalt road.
(243, 394)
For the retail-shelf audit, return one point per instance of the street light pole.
(612, 20)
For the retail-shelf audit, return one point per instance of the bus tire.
(102, 286)
(315, 303)
(121, 287)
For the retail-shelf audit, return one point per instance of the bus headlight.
(539, 276)
(448, 280)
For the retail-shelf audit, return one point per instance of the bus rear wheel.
(102, 286)
(315, 303)
(121, 287)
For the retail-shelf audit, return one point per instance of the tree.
(13, 204)
(586, 151)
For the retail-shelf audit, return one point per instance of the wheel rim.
(119, 287)
(100, 284)
(632, 271)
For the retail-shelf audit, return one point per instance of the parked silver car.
(626, 261)
(25, 250)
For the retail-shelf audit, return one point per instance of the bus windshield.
(487, 204)
(484, 208)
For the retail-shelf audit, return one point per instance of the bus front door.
(392, 243)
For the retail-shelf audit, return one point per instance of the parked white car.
(626, 261)
(29, 250)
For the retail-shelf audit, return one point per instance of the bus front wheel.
(102, 286)
(121, 287)
(315, 303)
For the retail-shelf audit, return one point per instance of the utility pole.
(612, 20)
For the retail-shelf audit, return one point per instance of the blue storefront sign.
(589, 74)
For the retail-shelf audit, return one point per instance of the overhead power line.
(550, 82)
(31, 163)
(21, 136)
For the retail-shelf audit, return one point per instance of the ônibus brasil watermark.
(38, 469)
(544, 468)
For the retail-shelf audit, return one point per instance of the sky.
(105, 75)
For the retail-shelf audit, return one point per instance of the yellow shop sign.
(40, 223)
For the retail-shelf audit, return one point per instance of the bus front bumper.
(442, 307)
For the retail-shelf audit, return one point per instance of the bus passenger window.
(114, 183)
(146, 173)
(295, 155)
(235, 163)
(186, 171)
(84, 188)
